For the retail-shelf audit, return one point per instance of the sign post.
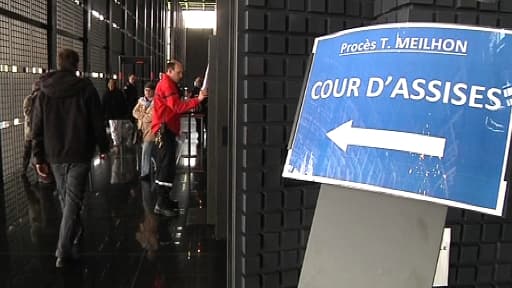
(416, 110)
(361, 239)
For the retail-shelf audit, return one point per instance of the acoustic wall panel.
(480, 244)
(275, 214)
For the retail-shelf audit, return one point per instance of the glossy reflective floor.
(125, 243)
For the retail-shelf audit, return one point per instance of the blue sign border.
(289, 172)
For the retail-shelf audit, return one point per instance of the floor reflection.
(125, 243)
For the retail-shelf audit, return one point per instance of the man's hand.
(103, 156)
(42, 170)
(203, 94)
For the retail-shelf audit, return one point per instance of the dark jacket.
(130, 92)
(67, 121)
(115, 106)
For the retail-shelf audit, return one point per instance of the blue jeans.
(71, 180)
(147, 152)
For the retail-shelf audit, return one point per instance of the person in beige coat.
(28, 103)
(143, 112)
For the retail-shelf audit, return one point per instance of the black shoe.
(144, 178)
(166, 207)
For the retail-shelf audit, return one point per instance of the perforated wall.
(23, 57)
(25, 54)
(70, 17)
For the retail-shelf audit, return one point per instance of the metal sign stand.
(362, 239)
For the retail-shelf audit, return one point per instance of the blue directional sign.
(419, 110)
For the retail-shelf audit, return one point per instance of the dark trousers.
(166, 162)
(27, 154)
(71, 179)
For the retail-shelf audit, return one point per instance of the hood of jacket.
(61, 84)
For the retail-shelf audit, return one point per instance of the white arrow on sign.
(346, 135)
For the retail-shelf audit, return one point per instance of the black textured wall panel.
(481, 247)
(275, 41)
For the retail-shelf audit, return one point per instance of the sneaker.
(166, 207)
(59, 263)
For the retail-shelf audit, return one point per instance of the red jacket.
(168, 107)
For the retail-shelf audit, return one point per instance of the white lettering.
(474, 95)
(401, 88)
(314, 93)
(337, 92)
(353, 86)
(378, 91)
(459, 90)
(329, 85)
(417, 86)
(493, 99)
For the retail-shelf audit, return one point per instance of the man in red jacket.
(167, 110)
